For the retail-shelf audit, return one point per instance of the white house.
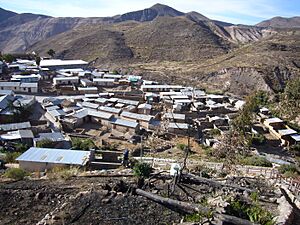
(65, 80)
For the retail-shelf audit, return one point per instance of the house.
(160, 88)
(56, 114)
(56, 138)
(104, 82)
(57, 64)
(145, 109)
(43, 159)
(86, 82)
(65, 80)
(23, 136)
(274, 123)
(115, 111)
(33, 78)
(87, 90)
(142, 119)
(124, 126)
(87, 115)
(128, 102)
(285, 136)
(175, 117)
(113, 76)
(14, 126)
(178, 128)
(19, 87)
(89, 105)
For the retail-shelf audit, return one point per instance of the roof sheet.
(15, 126)
(58, 156)
(56, 136)
(296, 137)
(59, 62)
(183, 126)
(137, 116)
(285, 132)
(175, 116)
(274, 120)
(125, 123)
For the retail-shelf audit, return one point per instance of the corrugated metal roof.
(296, 137)
(59, 62)
(273, 120)
(56, 113)
(125, 123)
(15, 126)
(14, 135)
(56, 136)
(128, 102)
(102, 115)
(58, 156)
(183, 126)
(89, 105)
(175, 116)
(285, 132)
(29, 85)
(137, 116)
(110, 109)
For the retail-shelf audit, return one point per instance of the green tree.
(51, 52)
(46, 143)
(38, 60)
(8, 58)
(290, 99)
(83, 144)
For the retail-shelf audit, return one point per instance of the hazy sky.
(234, 11)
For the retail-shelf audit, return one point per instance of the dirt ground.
(79, 201)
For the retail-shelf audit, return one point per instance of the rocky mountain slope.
(166, 44)
(281, 22)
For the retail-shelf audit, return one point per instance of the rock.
(39, 196)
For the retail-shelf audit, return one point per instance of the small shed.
(41, 159)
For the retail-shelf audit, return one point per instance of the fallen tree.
(188, 208)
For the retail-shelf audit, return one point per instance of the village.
(46, 108)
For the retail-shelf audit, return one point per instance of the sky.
(233, 11)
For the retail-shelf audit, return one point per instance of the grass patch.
(255, 161)
(15, 173)
(63, 173)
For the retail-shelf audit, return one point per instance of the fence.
(291, 184)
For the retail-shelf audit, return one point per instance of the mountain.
(148, 14)
(165, 44)
(281, 22)
(5, 14)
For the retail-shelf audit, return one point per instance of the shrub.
(214, 132)
(142, 170)
(46, 143)
(253, 212)
(62, 173)
(181, 146)
(83, 144)
(258, 139)
(15, 173)
(256, 161)
(10, 157)
(288, 170)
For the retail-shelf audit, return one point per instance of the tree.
(290, 99)
(83, 144)
(51, 52)
(15, 173)
(38, 60)
(8, 58)
(45, 143)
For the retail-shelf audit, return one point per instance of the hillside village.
(46, 109)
